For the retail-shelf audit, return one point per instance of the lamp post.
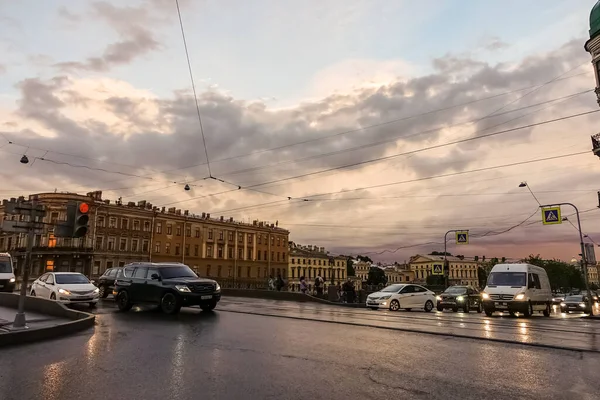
(447, 276)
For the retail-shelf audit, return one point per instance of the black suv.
(106, 282)
(460, 297)
(169, 285)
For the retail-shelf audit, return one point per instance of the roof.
(595, 20)
(441, 258)
(67, 273)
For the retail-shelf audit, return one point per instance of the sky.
(364, 126)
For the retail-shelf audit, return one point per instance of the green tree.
(560, 274)
(350, 268)
(439, 253)
(364, 258)
(482, 276)
(435, 280)
(376, 276)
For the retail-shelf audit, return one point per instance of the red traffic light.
(84, 208)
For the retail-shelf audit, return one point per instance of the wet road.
(229, 355)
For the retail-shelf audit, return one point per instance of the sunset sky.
(356, 109)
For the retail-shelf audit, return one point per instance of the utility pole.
(31, 227)
(446, 264)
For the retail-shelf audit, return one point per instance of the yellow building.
(462, 272)
(593, 274)
(398, 274)
(312, 261)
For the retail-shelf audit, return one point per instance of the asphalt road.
(144, 354)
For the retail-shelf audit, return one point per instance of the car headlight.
(582, 305)
(563, 304)
(12, 280)
(218, 288)
(96, 290)
(520, 296)
(460, 298)
(485, 296)
(385, 297)
(64, 291)
(438, 298)
(183, 288)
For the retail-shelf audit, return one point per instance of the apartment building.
(311, 261)
(121, 233)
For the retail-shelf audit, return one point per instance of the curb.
(410, 330)
(284, 296)
(80, 321)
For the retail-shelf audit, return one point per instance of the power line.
(189, 64)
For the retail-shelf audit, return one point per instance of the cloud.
(495, 44)
(2, 69)
(112, 125)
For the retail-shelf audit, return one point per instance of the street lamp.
(525, 184)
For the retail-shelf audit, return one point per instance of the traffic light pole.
(20, 321)
(447, 275)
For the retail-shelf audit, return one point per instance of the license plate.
(500, 305)
(372, 303)
(206, 297)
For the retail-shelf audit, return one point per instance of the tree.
(482, 276)
(350, 268)
(376, 276)
(560, 274)
(364, 258)
(439, 253)
(435, 280)
(476, 258)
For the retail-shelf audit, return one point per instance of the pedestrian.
(279, 283)
(271, 283)
(303, 285)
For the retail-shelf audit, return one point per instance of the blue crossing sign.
(551, 216)
(438, 269)
(462, 237)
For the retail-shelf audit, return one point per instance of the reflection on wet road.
(147, 355)
(571, 332)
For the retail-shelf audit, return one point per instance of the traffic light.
(76, 225)
(82, 218)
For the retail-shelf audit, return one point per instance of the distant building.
(398, 274)
(462, 271)
(311, 261)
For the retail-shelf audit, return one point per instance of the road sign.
(438, 269)
(551, 216)
(590, 254)
(21, 227)
(462, 237)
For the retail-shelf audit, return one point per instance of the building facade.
(121, 233)
(399, 274)
(462, 272)
(312, 261)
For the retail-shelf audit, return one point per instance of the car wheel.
(440, 308)
(466, 308)
(53, 296)
(428, 306)
(547, 310)
(208, 307)
(92, 305)
(454, 309)
(169, 304)
(529, 311)
(103, 293)
(394, 305)
(488, 313)
(123, 301)
(479, 308)
(374, 308)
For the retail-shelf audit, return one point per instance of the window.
(283, 257)
(169, 229)
(293, 272)
(293, 261)
(259, 239)
(178, 230)
(220, 252)
(250, 238)
(188, 231)
(124, 223)
(272, 256)
(221, 235)
(240, 237)
(240, 253)
(278, 241)
(249, 257)
(209, 251)
(168, 247)
(98, 242)
(208, 270)
(219, 268)
(109, 264)
(278, 255)
(136, 224)
(134, 245)
(159, 227)
(196, 250)
(50, 279)
(197, 232)
(49, 265)
(145, 245)
(210, 234)
(123, 244)
(230, 252)
(265, 254)
(187, 250)
(112, 222)
(146, 226)
(140, 272)
(534, 281)
(230, 236)
(152, 271)
(100, 221)
(177, 249)
(258, 255)
(248, 270)
(111, 243)
(272, 241)
(239, 272)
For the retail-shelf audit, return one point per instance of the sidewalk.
(34, 320)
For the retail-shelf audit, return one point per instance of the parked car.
(465, 298)
(522, 288)
(106, 283)
(7, 273)
(65, 287)
(169, 285)
(405, 296)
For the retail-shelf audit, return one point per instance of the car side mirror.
(155, 277)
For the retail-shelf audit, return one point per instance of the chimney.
(131, 204)
(107, 201)
(186, 212)
(142, 203)
(149, 206)
(231, 219)
(171, 210)
(162, 210)
(203, 215)
(178, 212)
(221, 218)
(207, 215)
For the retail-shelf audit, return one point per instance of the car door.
(39, 286)
(139, 286)
(49, 285)
(153, 290)
(420, 296)
(407, 297)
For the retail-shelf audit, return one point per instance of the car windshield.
(507, 279)
(5, 267)
(574, 298)
(456, 290)
(392, 289)
(69, 279)
(182, 271)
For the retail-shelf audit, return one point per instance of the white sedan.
(405, 296)
(65, 287)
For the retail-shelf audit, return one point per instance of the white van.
(522, 288)
(7, 273)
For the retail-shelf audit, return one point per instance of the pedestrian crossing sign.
(438, 269)
(462, 237)
(551, 216)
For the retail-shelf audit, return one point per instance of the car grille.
(202, 288)
(447, 298)
(82, 292)
(3, 281)
(501, 296)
